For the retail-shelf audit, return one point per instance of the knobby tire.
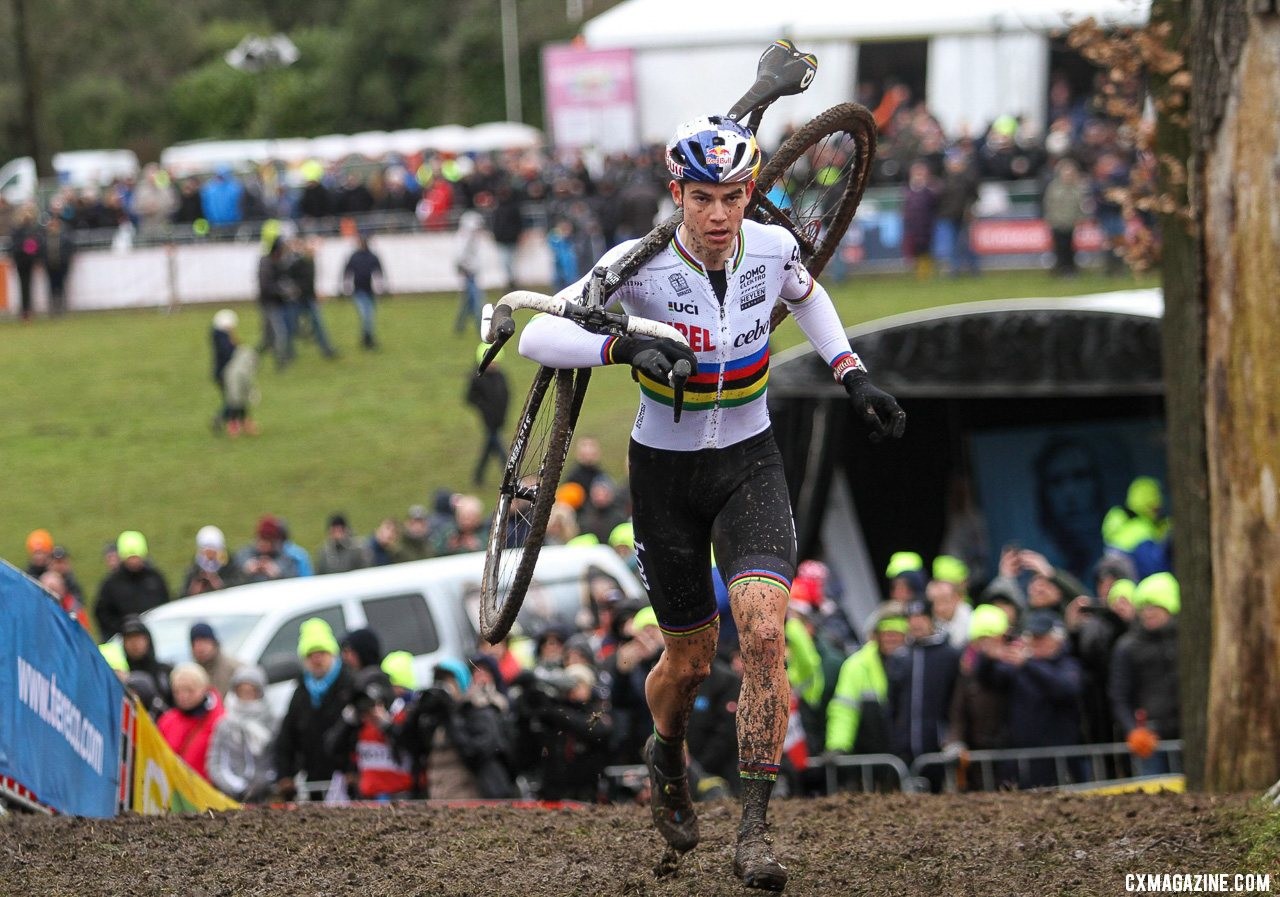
(818, 213)
(538, 451)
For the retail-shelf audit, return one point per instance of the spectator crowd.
(946, 664)
(585, 202)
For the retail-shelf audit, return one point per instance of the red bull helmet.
(713, 150)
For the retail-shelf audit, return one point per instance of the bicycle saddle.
(783, 70)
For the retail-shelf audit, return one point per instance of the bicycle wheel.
(528, 490)
(812, 185)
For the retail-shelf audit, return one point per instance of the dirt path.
(900, 845)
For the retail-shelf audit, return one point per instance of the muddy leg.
(760, 612)
(670, 689)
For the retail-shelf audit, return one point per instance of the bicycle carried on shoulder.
(811, 185)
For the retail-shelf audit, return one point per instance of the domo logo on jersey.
(680, 284)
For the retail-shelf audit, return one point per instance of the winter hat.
(270, 528)
(457, 669)
(1145, 497)
(888, 615)
(203, 630)
(950, 569)
(365, 644)
(587, 539)
(1161, 590)
(398, 665)
(190, 671)
(988, 621)
(253, 675)
(225, 320)
(581, 674)
(490, 664)
(806, 591)
(892, 624)
(315, 635)
(132, 625)
(812, 569)
(580, 643)
(901, 562)
(624, 534)
(39, 540)
(1121, 589)
(131, 543)
(211, 537)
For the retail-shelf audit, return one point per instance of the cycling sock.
(669, 752)
(755, 795)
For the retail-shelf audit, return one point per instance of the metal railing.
(866, 766)
(1072, 764)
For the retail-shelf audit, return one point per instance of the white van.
(74, 168)
(428, 608)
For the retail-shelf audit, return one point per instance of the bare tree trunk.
(1183, 338)
(1236, 104)
(30, 77)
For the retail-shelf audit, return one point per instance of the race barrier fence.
(72, 741)
(1070, 765)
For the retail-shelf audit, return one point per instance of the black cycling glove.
(652, 357)
(877, 409)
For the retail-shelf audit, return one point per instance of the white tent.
(676, 23)
(985, 58)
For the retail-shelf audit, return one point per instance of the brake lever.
(680, 372)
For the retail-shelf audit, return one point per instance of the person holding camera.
(456, 733)
(564, 723)
(362, 740)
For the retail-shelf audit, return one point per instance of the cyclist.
(716, 476)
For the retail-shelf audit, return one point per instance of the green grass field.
(106, 422)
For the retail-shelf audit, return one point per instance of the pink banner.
(590, 97)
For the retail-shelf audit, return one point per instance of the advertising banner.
(162, 783)
(60, 704)
(590, 97)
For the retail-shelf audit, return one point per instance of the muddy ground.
(901, 845)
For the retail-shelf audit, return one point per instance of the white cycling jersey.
(724, 401)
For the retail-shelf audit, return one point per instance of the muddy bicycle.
(811, 186)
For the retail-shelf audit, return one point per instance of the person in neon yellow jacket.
(1139, 528)
(804, 663)
(863, 676)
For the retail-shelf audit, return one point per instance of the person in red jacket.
(188, 726)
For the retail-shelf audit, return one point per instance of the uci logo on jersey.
(680, 284)
(683, 308)
(755, 333)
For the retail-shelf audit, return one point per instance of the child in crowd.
(235, 370)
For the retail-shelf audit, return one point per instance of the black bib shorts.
(684, 502)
